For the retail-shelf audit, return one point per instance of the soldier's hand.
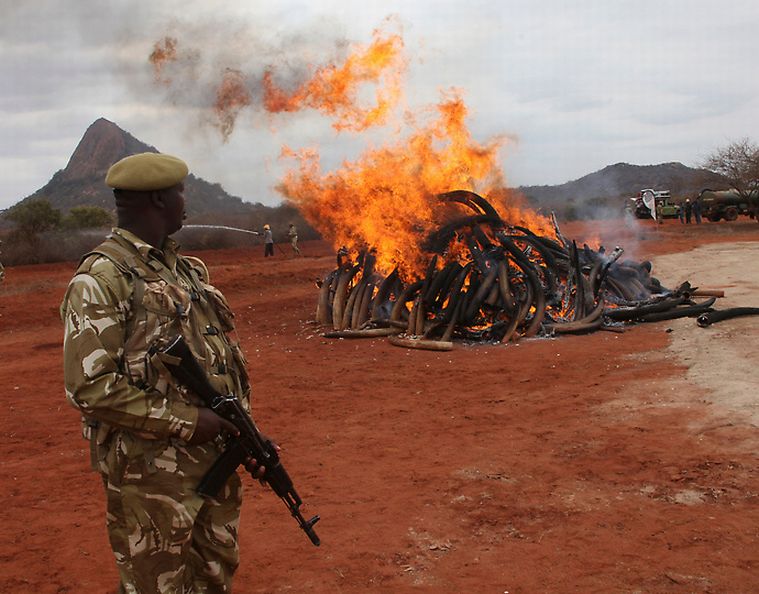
(210, 425)
(255, 469)
(252, 465)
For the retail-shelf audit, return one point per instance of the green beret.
(146, 172)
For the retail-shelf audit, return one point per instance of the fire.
(232, 95)
(386, 199)
(164, 51)
(334, 89)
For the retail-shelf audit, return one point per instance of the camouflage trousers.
(166, 538)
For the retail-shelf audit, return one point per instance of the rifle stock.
(250, 444)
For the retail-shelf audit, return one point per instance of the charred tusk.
(440, 286)
(323, 313)
(456, 294)
(341, 295)
(631, 313)
(680, 312)
(503, 285)
(713, 317)
(429, 345)
(421, 315)
(482, 291)
(363, 305)
(403, 298)
(540, 305)
(345, 322)
(411, 326)
(474, 201)
(383, 291)
(523, 310)
(511, 328)
(452, 323)
(359, 292)
(493, 296)
(365, 333)
(592, 321)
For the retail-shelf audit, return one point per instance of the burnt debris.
(488, 281)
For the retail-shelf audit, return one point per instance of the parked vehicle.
(661, 199)
(726, 204)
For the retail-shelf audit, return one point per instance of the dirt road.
(600, 463)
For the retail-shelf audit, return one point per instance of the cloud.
(580, 84)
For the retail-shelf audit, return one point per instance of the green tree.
(88, 217)
(35, 216)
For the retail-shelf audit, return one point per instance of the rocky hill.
(81, 182)
(609, 187)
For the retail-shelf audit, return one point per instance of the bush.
(88, 217)
(35, 216)
(53, 246)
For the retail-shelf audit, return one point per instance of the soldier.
(149, 438)
(292, 233)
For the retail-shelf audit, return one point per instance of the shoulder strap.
(186, 266)
(125, 261)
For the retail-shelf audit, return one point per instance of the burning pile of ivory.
(488, 281)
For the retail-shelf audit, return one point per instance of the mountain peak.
(82, 181)
(102, 145)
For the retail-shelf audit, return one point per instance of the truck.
(665, 208)
(717, 205)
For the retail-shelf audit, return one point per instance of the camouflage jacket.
(126, 297)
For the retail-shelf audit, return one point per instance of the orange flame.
(333, 90)
(386, 199)
(231, 96)
(163, 52)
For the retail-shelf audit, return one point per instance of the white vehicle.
(647, 201)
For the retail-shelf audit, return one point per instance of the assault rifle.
(180, 361)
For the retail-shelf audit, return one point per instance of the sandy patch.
(722, 360)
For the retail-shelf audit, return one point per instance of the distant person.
(268, 242)
(292, 233)
(688, 211)
(659, 212)
(681, 213)
(697, 210)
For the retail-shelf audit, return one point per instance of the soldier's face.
(174, 212)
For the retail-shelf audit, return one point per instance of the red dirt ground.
(537, 467)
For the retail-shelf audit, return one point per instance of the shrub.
(88, 217)
(35, 216)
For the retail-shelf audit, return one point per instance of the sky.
(570, 87)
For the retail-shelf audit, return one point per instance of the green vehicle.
(726, 204)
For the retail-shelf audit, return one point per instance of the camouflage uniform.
(126, 297)
(293, 235)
